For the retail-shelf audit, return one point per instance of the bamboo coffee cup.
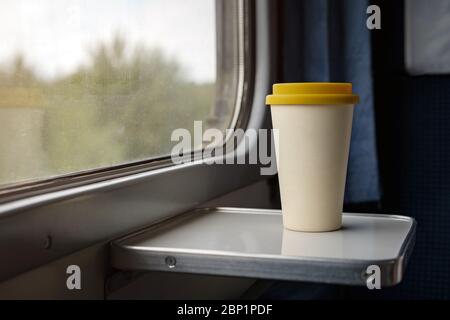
(314, 122)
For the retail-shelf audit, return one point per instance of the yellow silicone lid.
(312, 93)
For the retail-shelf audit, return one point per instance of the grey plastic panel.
(427, 44)
(253, 243)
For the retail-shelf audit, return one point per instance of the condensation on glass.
(88, 85)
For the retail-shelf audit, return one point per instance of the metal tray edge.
(337, 271)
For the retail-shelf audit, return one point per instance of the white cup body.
(312, 154)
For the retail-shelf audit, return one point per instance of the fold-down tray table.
(252, 243)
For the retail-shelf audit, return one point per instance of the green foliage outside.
(119, 108)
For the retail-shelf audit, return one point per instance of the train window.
(87, 85)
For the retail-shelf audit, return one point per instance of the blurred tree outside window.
(93, 84)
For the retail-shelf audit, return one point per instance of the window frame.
(239, 119)
(43, 222)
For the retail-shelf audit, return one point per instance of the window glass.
(93, 84)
